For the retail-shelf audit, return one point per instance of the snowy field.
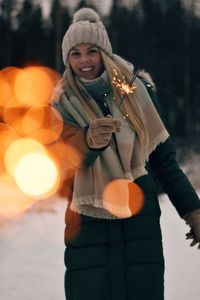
(31, 256)
(182, 274)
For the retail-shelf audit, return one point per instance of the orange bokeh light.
(59, 152)
(26, 123)
(42, 123)
(30, 86)
(7, 136)
(10, 74)
(34, 170)
(17, 149)
(62, 154)
(5, 90)
(36, 84)
(122, 193)
(37, 175)
(67, 156)
(14, 116)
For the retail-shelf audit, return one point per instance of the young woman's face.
(85, 60)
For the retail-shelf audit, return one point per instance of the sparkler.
(125, 88)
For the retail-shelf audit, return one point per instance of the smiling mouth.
(86, 69)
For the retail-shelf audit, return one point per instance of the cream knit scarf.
(126, 163)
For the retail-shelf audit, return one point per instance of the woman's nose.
(84, 59)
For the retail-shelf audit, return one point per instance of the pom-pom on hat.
(85, 28)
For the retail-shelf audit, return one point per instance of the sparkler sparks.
(125, 87)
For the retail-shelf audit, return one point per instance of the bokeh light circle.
(17, 149)
(43, 123)
(37, 175)
(123, 194)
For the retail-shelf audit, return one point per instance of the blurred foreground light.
(13, 201)
(17, 149)
(43, 123)
(14, 118)
(29, 87)
(60, 154)
(35, 87)
(34, 171)
(7, 136)
(67, 156)
(123, 193)
(5, 90)
(37, 175)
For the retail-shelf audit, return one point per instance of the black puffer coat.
(123, 259)
(117, 259)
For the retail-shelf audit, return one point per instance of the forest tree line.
(161, 37)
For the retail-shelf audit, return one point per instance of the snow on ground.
(182, 262)
(31, 256)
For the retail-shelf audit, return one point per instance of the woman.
(114, 144)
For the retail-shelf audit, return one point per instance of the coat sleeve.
(172, 179)
(78, 153)
(170, 176)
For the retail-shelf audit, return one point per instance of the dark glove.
(100, 131)
(193, 220)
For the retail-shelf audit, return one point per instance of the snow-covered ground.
(182, 273)
(31, 256)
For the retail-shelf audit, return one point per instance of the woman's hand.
(100, 131)
(193, 220)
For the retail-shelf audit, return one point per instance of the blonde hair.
(130, 107)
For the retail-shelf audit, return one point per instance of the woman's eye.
(74, 54)
(92, 51)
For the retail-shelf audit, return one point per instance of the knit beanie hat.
(85, 28)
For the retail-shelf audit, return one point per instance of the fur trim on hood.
(144, 75)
